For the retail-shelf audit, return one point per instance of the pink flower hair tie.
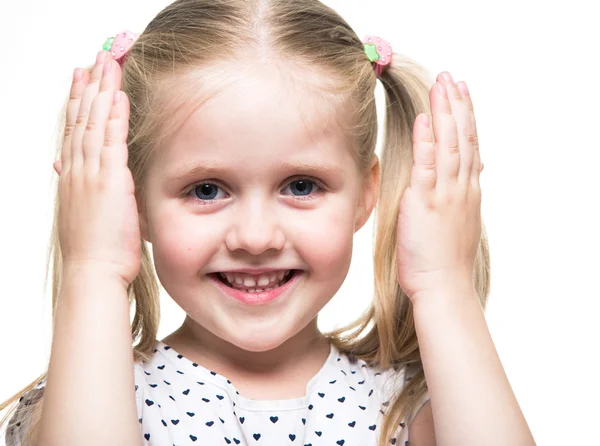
(379, 52)
(120, 44)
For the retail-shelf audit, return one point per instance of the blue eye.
(205, 191)
(304, 187)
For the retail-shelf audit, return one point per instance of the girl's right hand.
(98, 216)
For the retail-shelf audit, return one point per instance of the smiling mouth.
(256, 288)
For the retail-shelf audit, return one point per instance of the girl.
(237, 140)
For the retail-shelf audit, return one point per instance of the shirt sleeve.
(393, 383)
(20, 423)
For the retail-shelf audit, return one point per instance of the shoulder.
(420, 426)
(394, 379)
(421, 430)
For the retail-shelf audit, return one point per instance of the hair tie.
(379, 52)
(120, 44)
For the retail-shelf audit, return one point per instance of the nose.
(255, 227)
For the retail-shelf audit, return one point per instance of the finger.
(447, 156)
(84, 109)
(466, 135)
(423, 174)
(80, 80)
(477, 164)
(94, 136)
(57, 167)
(113, 79)
(469, 101)
(114, 153)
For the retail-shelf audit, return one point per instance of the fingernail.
(107, 67)
(448, 77)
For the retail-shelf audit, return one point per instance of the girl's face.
(244, 183)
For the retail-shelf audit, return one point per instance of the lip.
(261, 298)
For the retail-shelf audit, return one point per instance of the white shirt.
(182, 403)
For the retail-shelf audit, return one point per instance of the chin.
(257, 339)
(263, 342)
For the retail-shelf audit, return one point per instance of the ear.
(370, 192)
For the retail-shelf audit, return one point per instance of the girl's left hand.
(439, 224)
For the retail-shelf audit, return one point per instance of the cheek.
(181, 246)
(324, 238)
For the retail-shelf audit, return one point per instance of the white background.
(532, 68)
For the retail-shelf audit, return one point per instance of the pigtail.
(407, 87)
(184, 42)
(407, 95)
(384, 336)
(25, 406)
(144, 290)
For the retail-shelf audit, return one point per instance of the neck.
(203, 347)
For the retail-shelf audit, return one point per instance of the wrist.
(92, 272)
(453, 294)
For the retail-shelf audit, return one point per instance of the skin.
(257, 219)
(439, 228)
(254, 217)
(257, 223)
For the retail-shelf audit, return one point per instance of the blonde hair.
(190, 39)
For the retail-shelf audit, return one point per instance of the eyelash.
(319, 184)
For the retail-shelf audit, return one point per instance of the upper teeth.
(249, 280)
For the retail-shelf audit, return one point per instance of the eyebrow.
(189, 170)
(213, 168)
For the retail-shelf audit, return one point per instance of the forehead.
(260, 117)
